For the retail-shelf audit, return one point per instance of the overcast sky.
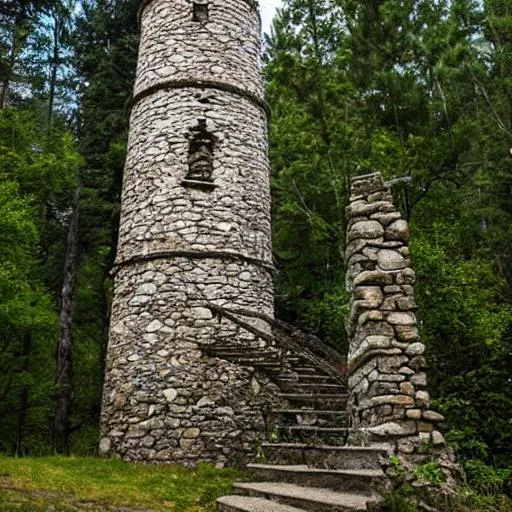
(268, 8)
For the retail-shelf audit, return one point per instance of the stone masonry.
(389, 401)
(194, 231)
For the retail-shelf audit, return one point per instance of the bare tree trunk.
(64, 377)
(22, 413)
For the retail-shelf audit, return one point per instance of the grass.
(62, 484)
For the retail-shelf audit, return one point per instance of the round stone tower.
(194, 231)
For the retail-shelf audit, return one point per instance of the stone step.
(305, 370)
(359, 481)
(310, 414)
(252, 504)
(324, 456)
(317, 400)
(301, 432)
(310, 378)
(307, 498)
(306, 387)
(239, 348)
(246, 358)
(292, 417)
(295, 360)
(248, 353)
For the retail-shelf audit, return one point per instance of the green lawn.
(59, 484)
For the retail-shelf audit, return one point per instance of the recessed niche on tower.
(200, 12)
(200, 158)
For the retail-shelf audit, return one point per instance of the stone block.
(413, 414)
(366, 229)
(376, 278)
(398, 230)
(407, 333)
(390, 260)
(401, 318)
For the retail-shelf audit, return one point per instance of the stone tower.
(194, 231)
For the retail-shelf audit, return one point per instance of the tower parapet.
(194, 230)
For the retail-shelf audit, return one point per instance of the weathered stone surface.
(432, 416)
(437, 438)
(191, 433)
(418, 363)
(398, 230)
(386, 217)
(405, 400)
(407, 333)
(419, 379)
(406, 276)
(387, 382)
(391, 260)
(373, 278)
(364, 209)
(401, 318)
(423, 398)
(105, 444)
(170, 394)
(366, 229)
(370, 296)
(407, 388)
(415, 349)
(414, 414)
(406, 303)
(182, 246)
(391, 364)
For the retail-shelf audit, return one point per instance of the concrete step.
(317, 400)
(307, 498)
(251, 504)
(358, 481)
(323, 456)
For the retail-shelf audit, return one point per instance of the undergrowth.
(485, 489)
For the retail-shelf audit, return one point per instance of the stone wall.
(389, 400)
(194, 230)
(174, 47)
(160, 214)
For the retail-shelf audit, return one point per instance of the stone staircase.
(305, 464)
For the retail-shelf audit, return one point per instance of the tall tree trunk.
(54, 67)
(6, 79)
(64, 377)
(22, 413)
(20, 34)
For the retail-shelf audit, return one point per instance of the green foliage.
(486, 479)
(430, 473)
(407, 498)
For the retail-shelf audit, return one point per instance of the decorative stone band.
(252, 3)
(164, 255)
(389, 400)
(203, 84)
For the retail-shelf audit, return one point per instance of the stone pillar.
(195, 229)
(389, 401)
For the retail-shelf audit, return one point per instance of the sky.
(268, 8)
